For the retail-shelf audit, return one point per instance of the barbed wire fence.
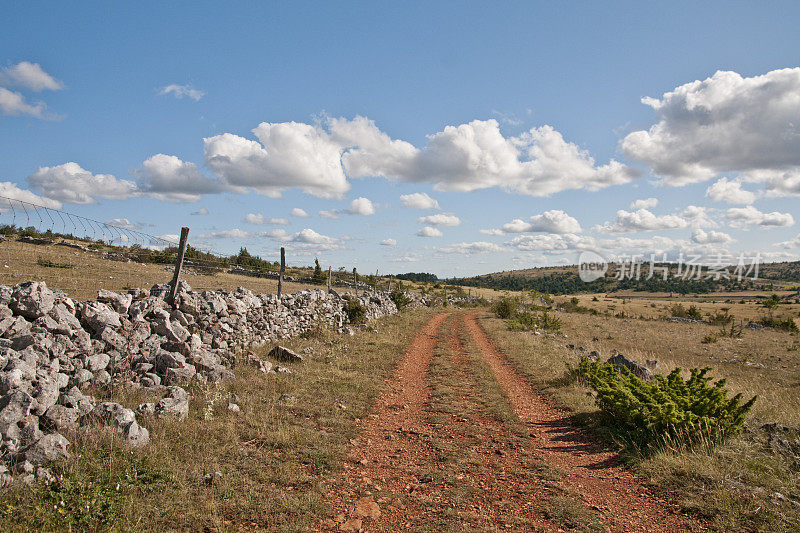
(80, 256)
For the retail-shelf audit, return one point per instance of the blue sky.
(524, 122)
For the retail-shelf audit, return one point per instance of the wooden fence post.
(329, 278)
(178, 265)
(283, 267)
(390, 284)
(355, 280)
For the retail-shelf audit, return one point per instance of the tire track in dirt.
(492, 466)
(593, 471)
(389, 447)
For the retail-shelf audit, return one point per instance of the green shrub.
(709, 339)
(356, 312)
(787, 324)
(400, 299)
(526, 321)
(505, 307)
(667, 408)
(678, 310)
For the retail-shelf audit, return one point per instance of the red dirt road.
(391, 481)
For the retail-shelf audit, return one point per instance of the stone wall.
(52, 349)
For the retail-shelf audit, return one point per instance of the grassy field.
(743, 485)
(274, 456)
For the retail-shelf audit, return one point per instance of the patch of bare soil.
(385, 456)
(592, 470)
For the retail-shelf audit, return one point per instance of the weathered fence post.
(329, 278)
(178, 265)
(390, 284)
(355, 281)
(283, 267)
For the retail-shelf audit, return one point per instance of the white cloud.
(494, 232)
(299, 213)
(641, 220)
(361, 206)
(428, 231)
(461, 158)
(468, 248)
(31, 76)
(725, 123)
(71, 184)
(644, 203)
(201, 211)
(794, 243)
(14, 104)
(234, 233)
(388, 242)
(553, 221)
(442, 219)
(289, 154)
(166, 177)
(552, 243)
(730, 191)
(750, 216)
(419, 200)
(698, 217)
(259, 220)
(179, 91)
(711, 237)
(333, 214)
(408, 258)
(778, 183)
(123, 223)
(11, 190)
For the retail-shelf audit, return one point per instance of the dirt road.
(460, 441)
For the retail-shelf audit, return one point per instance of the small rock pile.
(52, 348)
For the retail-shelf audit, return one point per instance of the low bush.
(356, 312)
(667, 409)
(787, 324)
(505, 307)
(526, 321)
(709, 339)
(400, 299)
(678, 310)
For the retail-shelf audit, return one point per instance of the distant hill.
(565, 280)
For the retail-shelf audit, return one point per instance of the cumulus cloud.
(179, 91)
(725, 123)
(641, 220)
(494, 232)
(698, 217)
(234, 233)
(644, 203)
(388, 242)
(443, 219)
(554, 221)
(259, 220)
(288, 154)
(166, 177)
(778, 183)
(730, 191)
(467, 157)
(794, 243)
(201, 211)
(361, 206)
(552, 243)
(122, 223)
(700, 236)
(69, 183)
(428, 231)
(419, 200)
(12, 191)
(29, 75)
(408, 258)
(468, 248)
(299, 213)
(14, 104)
(750, 216)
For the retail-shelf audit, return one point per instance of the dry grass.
(732, 485)
(275, 456)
